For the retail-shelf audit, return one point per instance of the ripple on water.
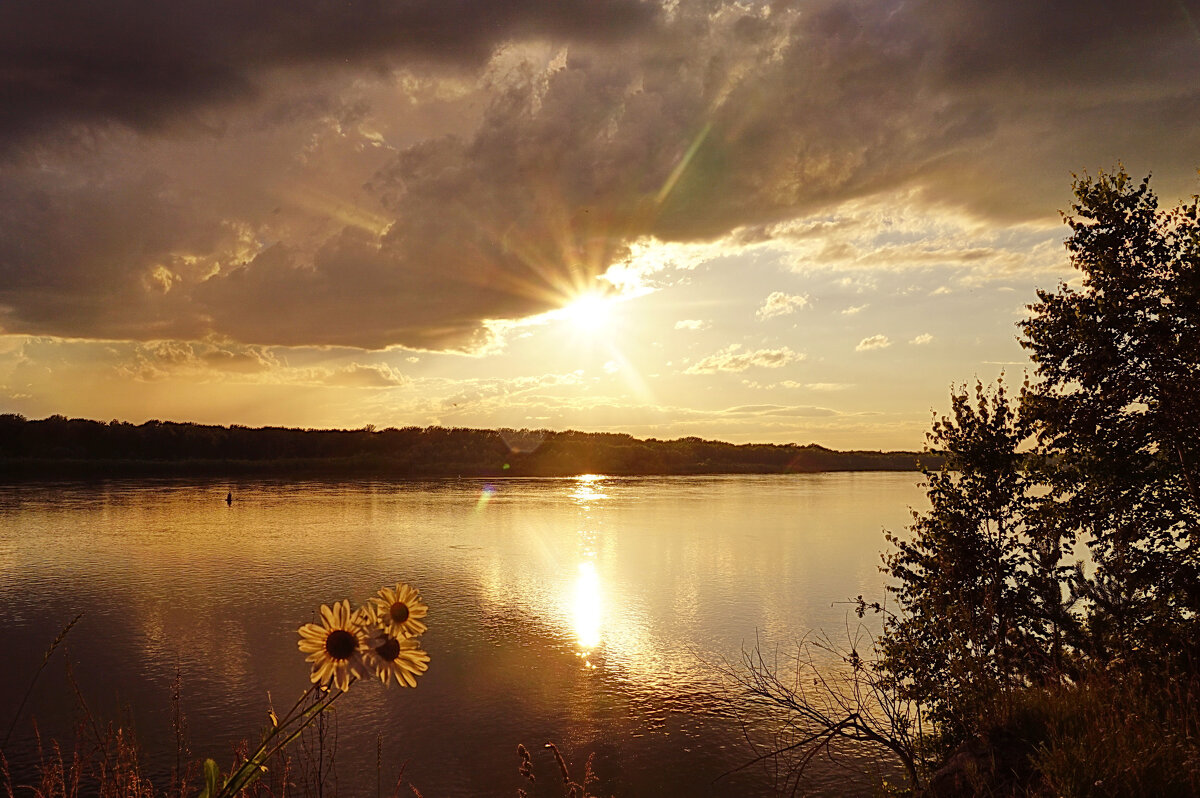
(588, 612)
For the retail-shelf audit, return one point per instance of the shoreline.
(38, 469)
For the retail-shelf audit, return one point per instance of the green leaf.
(213, 783)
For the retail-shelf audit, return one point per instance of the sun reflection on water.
(586, 488)
(588, 602)
(588, 608)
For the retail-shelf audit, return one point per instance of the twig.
(36, 674)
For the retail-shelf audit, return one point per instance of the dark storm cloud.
(683, 124)
(80, 260)
(139, 62)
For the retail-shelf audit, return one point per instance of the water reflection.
(584, 610)
(587, 603)
(589, 609)
(587, 488)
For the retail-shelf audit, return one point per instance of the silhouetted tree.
(58, 445)
(968, 627)
(1116, 408)
(992, 637)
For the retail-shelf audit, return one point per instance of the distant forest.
(62, 447)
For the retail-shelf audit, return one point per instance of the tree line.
(58, 446)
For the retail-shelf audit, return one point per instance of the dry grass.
(110, 768)
(1118, 736)
(105, 760)
(565, 785)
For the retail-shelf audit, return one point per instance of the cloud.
(365, 375)
(778, 410)
(854, 310)
(781, 304)
(691, 324)
(818, 386)
(895, 233)
(733, 359)
(473, 394)
(224, 361)
(158, 360)
(873, 342)
(922, 339)
(381, 174)
(139, 63)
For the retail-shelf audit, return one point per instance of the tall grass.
(111, 768)
(1118, 735)
(1109, 734)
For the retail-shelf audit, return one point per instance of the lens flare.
(485, 496)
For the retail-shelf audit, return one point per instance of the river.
(591, 612)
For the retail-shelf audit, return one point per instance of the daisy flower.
(399, 610)
(400, 658)
(335, 646)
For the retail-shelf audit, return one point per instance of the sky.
(794, 222)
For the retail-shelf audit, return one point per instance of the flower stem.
(251, 769)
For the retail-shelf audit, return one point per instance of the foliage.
(569, 788)
(994, 636)
(1033, 674)
(1117, 407)
(969, 625)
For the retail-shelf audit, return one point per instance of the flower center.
(399, 612)
(340, 644)
(389, 650)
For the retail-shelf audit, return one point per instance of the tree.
(984, 600)
(969, 582)
(976, 617)
(1116, 409)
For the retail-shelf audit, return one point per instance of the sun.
(589, 313)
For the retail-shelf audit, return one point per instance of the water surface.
(585, 611)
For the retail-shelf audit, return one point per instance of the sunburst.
(589, 313)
